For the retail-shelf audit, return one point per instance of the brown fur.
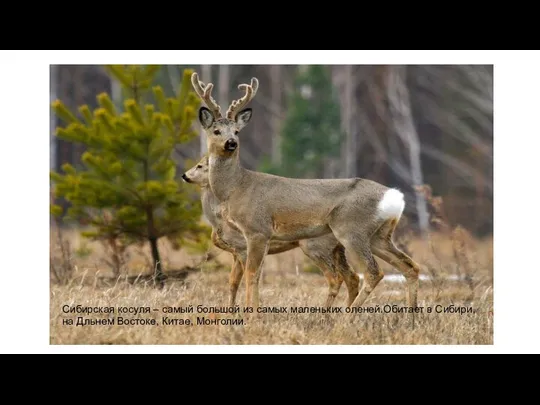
(327, 253)
(265, 207)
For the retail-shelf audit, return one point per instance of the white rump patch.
(392, 204)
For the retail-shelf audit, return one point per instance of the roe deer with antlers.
(327, 253)
(362, 214)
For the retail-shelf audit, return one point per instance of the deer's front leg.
(237, 272)
(257, 248)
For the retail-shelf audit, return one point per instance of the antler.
(205, 93)
(237, 105)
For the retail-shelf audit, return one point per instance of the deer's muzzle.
(231, 145)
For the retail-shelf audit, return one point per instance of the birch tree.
(224, 85)
(400, 108)
(349, 150)
(206, 78)
(277, 86)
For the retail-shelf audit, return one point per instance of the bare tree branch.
(465, 171)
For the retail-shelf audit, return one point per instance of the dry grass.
(446, 257)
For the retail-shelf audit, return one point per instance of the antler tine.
(237, 105)
(205, 93)
(254, 85)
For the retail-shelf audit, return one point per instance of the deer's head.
(198, 174)
(222, 132)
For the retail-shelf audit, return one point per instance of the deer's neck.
(225, 175)
(210, 206)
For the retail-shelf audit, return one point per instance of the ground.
(455, 276)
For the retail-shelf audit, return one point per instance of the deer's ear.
(243, 117)
(206, 118)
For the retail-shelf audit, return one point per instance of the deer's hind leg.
(352, 281)
(323, 259)
(356, 241)
(334, 280)
(383, 246)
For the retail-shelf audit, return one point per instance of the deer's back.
(299, 208)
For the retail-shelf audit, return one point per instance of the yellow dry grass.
(286, 284)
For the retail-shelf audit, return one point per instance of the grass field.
(456, 271)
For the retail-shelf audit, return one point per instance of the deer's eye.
(236, 132)
(217, 132)
(199, 167)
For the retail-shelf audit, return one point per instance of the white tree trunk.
(116, 93)
(174, 77)
(400, 108)
(276, 91)
(224, 86)
(206, 78)
(350, 140)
